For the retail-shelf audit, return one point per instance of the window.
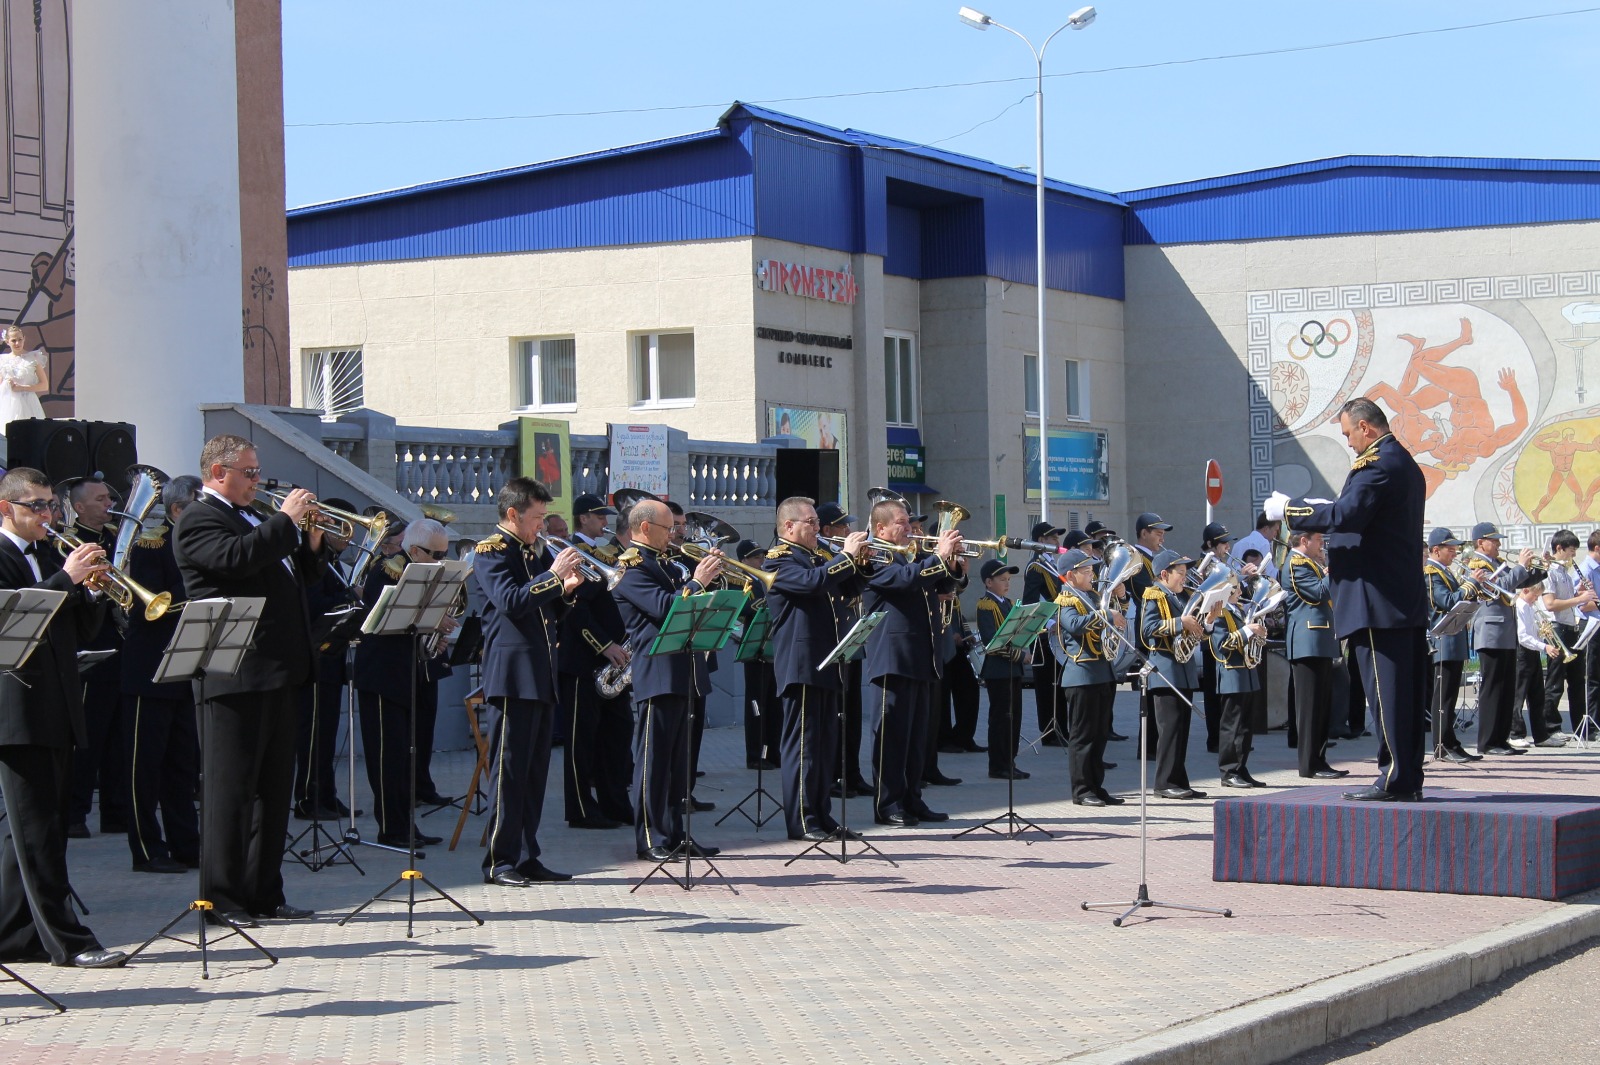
(1077, 390)
(547, 374)
(1030, 385)
(900, 379)
(333, 382)
(663, 370)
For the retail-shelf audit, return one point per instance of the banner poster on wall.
(826, 430)
(1080, 467)
(639, 458)
(545, 451)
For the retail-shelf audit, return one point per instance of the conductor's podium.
(1459, 842)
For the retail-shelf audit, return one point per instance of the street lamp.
(1077, 21)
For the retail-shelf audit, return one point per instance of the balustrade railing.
(732, 475)
(452, 465)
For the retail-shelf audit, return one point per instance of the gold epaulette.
(630, 557)
(1366, 458)
(778, 551)
(604, 552)
(1153, 593)
(152, 535)
(493, 542)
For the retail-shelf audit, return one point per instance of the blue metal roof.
(1365, 194)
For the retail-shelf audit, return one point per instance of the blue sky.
(1520, 89)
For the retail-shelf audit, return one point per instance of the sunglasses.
(252, 473)
(38, 506)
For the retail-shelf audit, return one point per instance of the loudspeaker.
(112, 449)
(808, 472)
(59, 447)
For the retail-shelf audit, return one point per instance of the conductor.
(227, 551)
(1380, 602)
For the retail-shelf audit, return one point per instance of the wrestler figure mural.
(1484, 379)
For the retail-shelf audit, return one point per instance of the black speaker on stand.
(58, 446)
(112, 449)
(808, 471)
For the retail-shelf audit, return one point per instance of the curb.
(1281, 1026)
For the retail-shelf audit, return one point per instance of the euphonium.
(1184, 645)
(144, 491)
(116, 585)
(612, 680)
(1120, 564)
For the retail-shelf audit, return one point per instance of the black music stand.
(755, 645)
(695, 624)
(414, 607)
(210, 640)
(1450, 623)
(1142, 899)
(342, 624)
(25, 614)
(853, 644)
(1018, 631)
(1585, 732)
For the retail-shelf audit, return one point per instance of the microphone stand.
(1142, 899)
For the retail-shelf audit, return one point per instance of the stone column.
(156, 159)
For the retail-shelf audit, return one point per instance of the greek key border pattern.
(1260, 305)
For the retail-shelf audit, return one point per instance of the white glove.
(1273, 507)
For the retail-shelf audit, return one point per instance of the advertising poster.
(639, 458)
(822, 429)
(1080, 468)
(546, 455)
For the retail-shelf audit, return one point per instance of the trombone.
(116, 585)
(333, 521)
(588, 563)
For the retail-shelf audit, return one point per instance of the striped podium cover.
(1459, 842)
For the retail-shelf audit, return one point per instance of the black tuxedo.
(249, 719)
(41, 720)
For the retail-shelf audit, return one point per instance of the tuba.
(144, 492)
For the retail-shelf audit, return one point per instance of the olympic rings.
(1318, 339)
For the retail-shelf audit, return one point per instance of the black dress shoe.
(594, 821)
(1053, 740)
(943, 781)
(231, 919)
(535, 871)
(1180, 793)
(100, 958)
(1505, 750)
(763, 764)
(1007, 774)
(162, 864)
(899, 820)
(78, 830)
(285, 912)
(1115, 736)
(435, 799)
(860, 786)
(1330, 774)
(1111, 800)
(701, 806)
(654, 854)
(1373, 793)
(926, 814)
(814, 835)
(1245, 776)
(402, 843)
(975, 748)
(952, 748)
(700, 850)
(1088, 800)
(508, 878)
(1233, 780)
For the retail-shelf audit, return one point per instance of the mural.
(1483, 379)
(36, 200)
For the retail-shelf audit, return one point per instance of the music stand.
(849, 648)
(1587, 725)
(1450, 623)
(694, 624)
(756, 646)
(414, 607)
(25, 614)
(1018, 631)
(340, 623)
(210, 640)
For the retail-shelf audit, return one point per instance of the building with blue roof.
(874, 297)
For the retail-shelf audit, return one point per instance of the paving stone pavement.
(966, 949)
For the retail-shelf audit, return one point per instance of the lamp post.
(1077, 21)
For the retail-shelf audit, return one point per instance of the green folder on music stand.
(756, 643)
(1021, 627)
(699, 622)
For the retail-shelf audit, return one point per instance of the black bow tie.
(31, 549)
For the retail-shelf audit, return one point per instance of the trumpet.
(1550, 634)
(116, 585)
(694, 552)
(332, 521)
(880, 551)
(1487, 588)
(589, 564)
(951, 515)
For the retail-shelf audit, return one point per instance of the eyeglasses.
(249, 473)
(38, 506)
(807, 521)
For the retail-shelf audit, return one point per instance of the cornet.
(880, 551)
(695, 551)
(953, 514)
(116, 585)
(588, 563)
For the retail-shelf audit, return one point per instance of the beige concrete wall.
(1194, 312)
(437, 336)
